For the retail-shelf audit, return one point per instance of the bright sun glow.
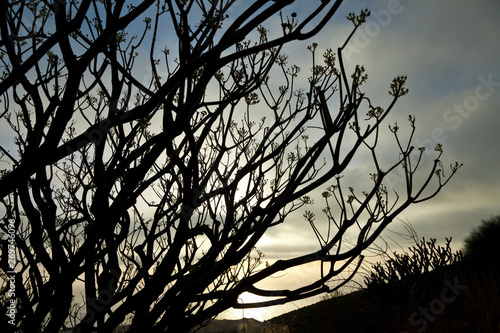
(260, 314)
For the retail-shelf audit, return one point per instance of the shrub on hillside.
(402, 270)
(481, 246)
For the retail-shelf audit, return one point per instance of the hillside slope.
(455, 299)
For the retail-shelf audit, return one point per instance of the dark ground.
(456, 298)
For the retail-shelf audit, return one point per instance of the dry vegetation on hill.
(460, 294)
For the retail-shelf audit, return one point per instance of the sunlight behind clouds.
(444, 47)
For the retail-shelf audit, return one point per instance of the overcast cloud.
(450, 51)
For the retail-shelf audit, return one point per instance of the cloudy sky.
(450, 51)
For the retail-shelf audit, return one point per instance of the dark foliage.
(402, 270)
(481, 246)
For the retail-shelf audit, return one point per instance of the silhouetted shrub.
(482, 245)
(402, 270)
